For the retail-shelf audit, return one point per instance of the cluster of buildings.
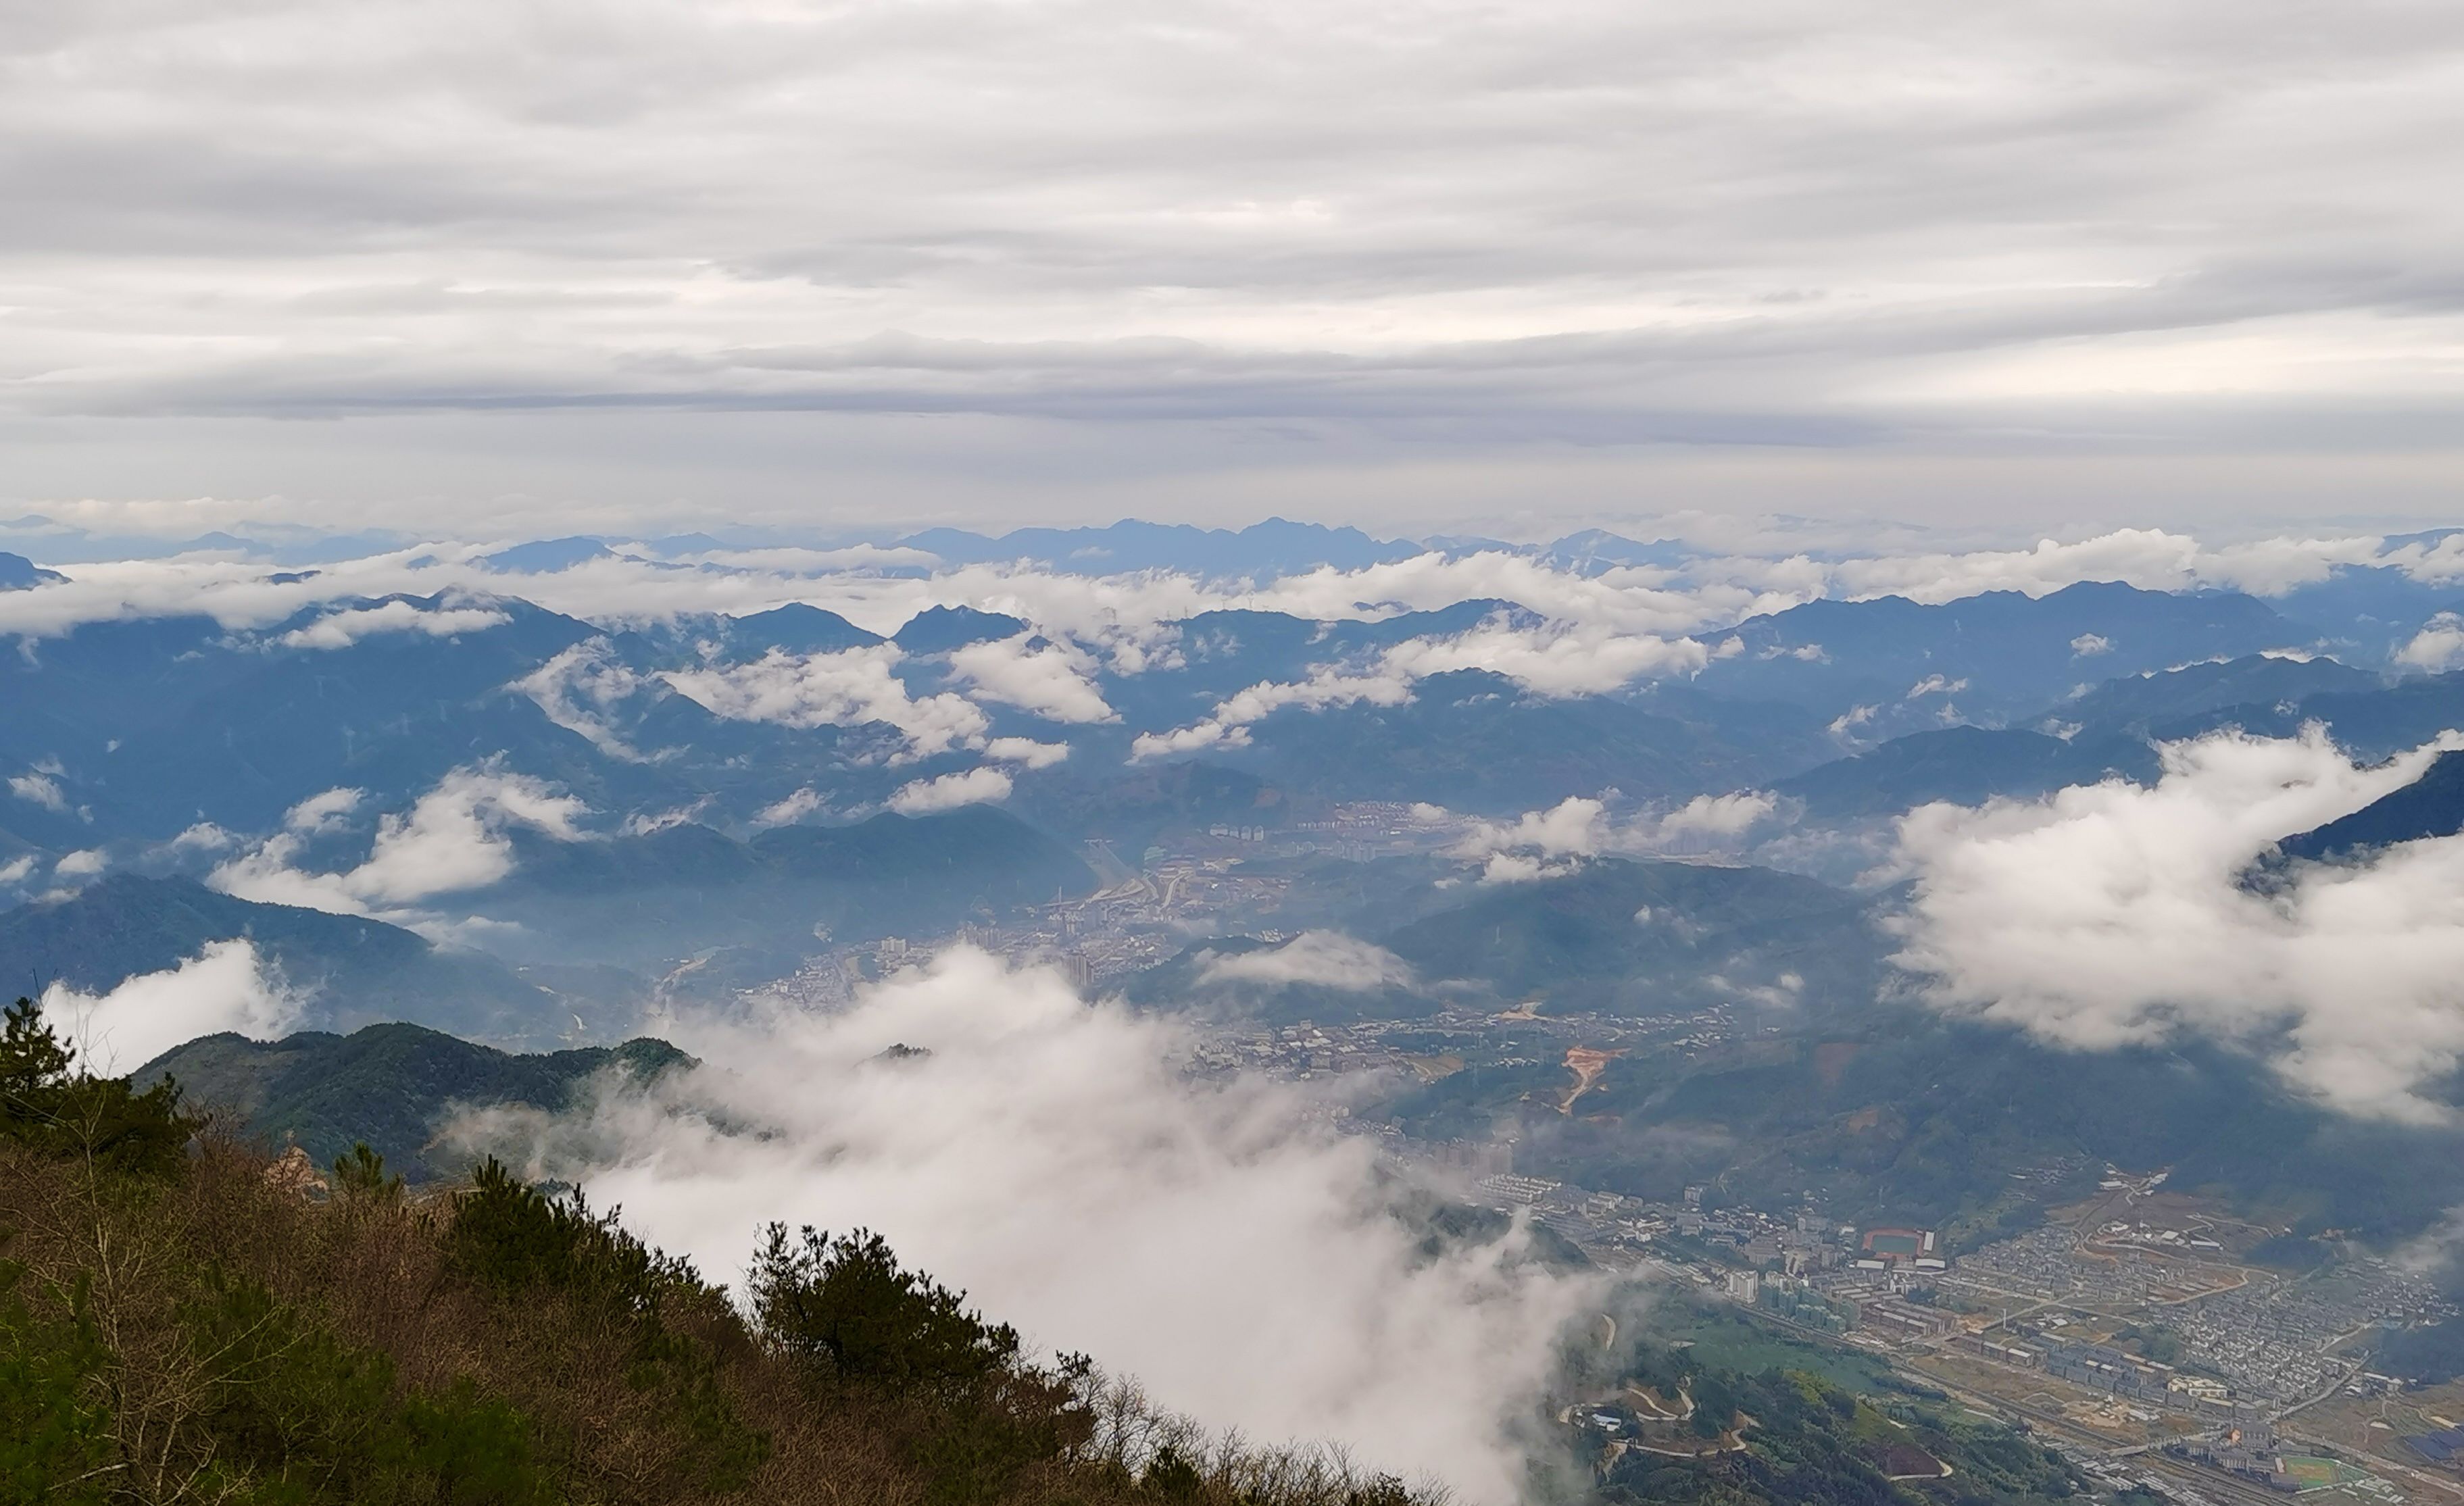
(1302, 1051)
(2243, 1334)
(2102, 1367)
(2271, 1338)
(2246, 1449)
(1800, 1266)
(2050, 1265)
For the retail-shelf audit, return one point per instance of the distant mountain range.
(686, 888)
(1263, 550)
(1888, 664)
(2109, 732)
(355, 971)
(134, 730)
(624, 902)
(594, 810)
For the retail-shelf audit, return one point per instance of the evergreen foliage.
(846, 1306)
(46, 1102)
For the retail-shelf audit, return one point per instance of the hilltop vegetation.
(390, 1086)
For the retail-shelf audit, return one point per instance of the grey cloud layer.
(1047, 1155)
(1601, 628)
(1578, 220)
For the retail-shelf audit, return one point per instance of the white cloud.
(790, 810)
(1553, 659)
(2439, 646)
(580, 690)
(320, 814)
(342, 629)
(2149, 559)
(978, 786)
(83, 864)
(1026, 751)
(201, 836)
(1188, 739)
(1846, 723)
(1047, 1157)
(1051, 679)
(1541, 844)
(1229, 724)
(223, 987)
(1577, 826)
(1325, 958)
(1559, 659)
(453, 838)
(1622, 601)
(17, 869)
(40, 789)
(1716, 816)
(2086, 646)
(1548, 659)
(1934, 685)
(844, 689)
(642, 824)
(2111, 914)
(1520, 868)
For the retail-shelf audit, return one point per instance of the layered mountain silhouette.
(2429, 806)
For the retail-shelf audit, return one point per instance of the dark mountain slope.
(17, 573)
(1474, 741)
(2431, 806)
(2159, 702)
(938, 630)
(1217, 654)
(174, 720)
(686, 888)
(1128, 806)
(2015, 652)
(359, 971)
(1963, 764)
(1654, 937)
(2369, 724)
(795, 628)
(393, 1087)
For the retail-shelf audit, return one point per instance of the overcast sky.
(1418, 264)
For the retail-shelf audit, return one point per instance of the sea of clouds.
(1218, 1242)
